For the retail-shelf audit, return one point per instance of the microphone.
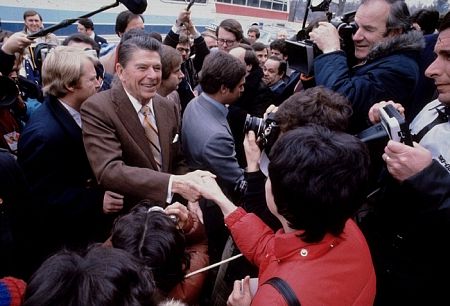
(135, 6)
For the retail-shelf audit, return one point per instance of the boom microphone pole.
(135, 6)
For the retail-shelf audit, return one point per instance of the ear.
(69, 88)
(119, 70)
(223, 89)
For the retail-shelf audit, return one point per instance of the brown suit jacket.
(119, 152)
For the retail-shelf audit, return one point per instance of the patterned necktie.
(151, 131)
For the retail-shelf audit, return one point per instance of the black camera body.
(266, 130)
(301, 53)
(392, 125)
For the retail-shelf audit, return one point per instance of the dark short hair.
(153, 237)
(81, 38)
(233, 26)
(428, 20)
(280, 45)
(220, 68)
(445, 22)
(318, 105)
(318, 179)
(183, 39)
(128, 47)
(29, 13)
(87, 23)
(282, 68)
(101, 276)
(255, 30)
(170, 58)
(156, 36)
(259, 46)
(123, 19)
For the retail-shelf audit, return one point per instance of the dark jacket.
(390, 72)
(190, 68)
(409, 225)
(101, 42)
(66, 207)
(254, 101)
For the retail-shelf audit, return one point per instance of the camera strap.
(443, 117)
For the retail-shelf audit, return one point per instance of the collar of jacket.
(409, 41)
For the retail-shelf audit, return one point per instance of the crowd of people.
(204, 169)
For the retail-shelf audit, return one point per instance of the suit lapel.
(129, 118)
(65, 119)
(164, 131)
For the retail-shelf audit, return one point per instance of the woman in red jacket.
(316, 183)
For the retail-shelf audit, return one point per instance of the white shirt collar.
(136, 104)
(73, 112)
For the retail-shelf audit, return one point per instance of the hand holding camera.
(326, 37)
(404, 161)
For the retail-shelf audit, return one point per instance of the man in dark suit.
(86, 26)
(123, 154)
(67, 208)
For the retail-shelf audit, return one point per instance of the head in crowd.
(261, 52)
(126, 21)
(378, 20)
(33, 21)
(282, 34)
(317, 180)
(229, 34)
(148, 233)
(139, 67)
(253, 34)
(86, 26)
(439, 70)
(101, 276)
(210, 39)
(184, 46)
(246, 55)
(318, 105)
(81, 41)
(4, 35)
(274, 70)
(171, 70)
(223, 74)
(426, 21)
(156, 36)
(278, 48)
(70, 71)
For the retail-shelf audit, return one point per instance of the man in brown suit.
(119, 148)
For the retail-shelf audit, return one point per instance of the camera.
(392, 125)
(301, 53)
(266, 130)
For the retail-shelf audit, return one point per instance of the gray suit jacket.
(208, 143)
(119, 152)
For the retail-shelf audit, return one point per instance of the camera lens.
(254, 124)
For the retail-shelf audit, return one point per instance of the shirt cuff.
(176, 29)
(169, 191)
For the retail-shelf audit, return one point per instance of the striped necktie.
(151, 132)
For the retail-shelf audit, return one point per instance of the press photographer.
(386, 52)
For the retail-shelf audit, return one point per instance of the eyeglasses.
(221, 41)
